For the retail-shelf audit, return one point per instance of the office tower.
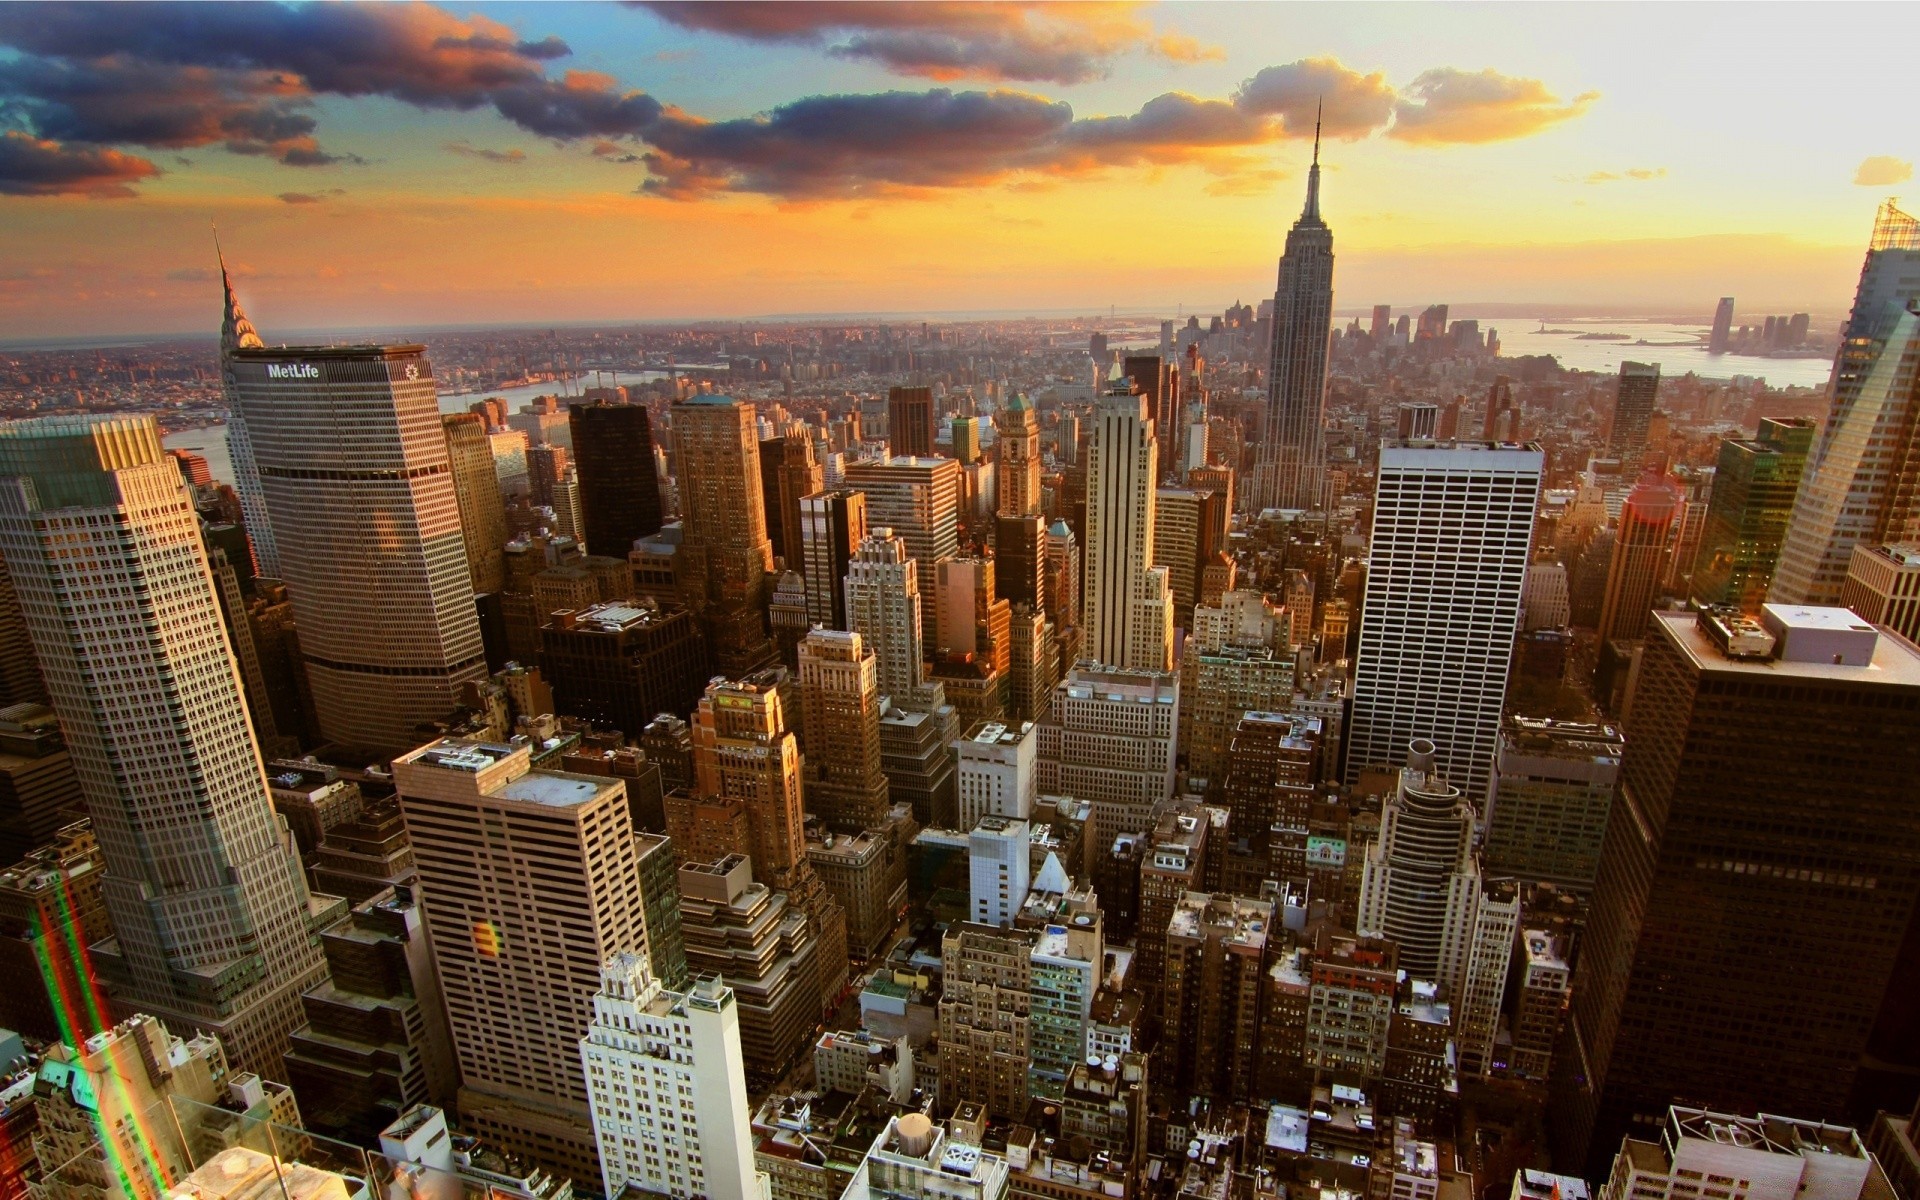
(1034, 665)
(1236, 662)
(1173, 862)
(917, 756)
(999, 869)
(1158, 379)
(1539, 1004)
(1382, 327)
(347, 440)
(914, 1159)
(919, 499)
(1639, 558)
(376, 1041)
(1270, 783)
(50, 901)
(544, 424)
(746, 757)
(547, 465)
(619, 490)
(883, 606)
(986, 1016)
(1452, 536)
(866, 873)
(787, 472)
(510, 462)
(476, 491)
(787, 617)
(1553, 788)
(840, 698)
(1216, 957)
(1502, 422)
(1018, 474)
(1722, 326)
(1188, 529)
(526, 880)
(20, 681)
(1418, 421)
(1635, 397)
(1702, 910)
(1883, 586)
(202, 883)
(1110, 740)
(1352, 987)
(1771, 1157)
(833, 523)
(724, 557)
(1128, 608)
(1063, 576)
(669, 1086)
(660, 887)
(1696, 493)
(997, 773)
(1020, 560)
(757, 942)
(1753, 488)
(1290, 471)
(910, 422)
(965, 439)
(621, 664)
(237, 333)
(39, 792)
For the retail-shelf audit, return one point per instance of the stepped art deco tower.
(1291, 468)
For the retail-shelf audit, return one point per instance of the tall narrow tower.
(237, 333)
(203, 885)
(1128, 603)
(1639, 557)
(1291, 467)
(1862, 482)
(1019, 471)
(883, 606)
(840, 697)
(724, 557)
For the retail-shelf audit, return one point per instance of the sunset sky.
(419, 165)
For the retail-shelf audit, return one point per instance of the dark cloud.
(301, 198)
(1354, 105)
(31, 166)
(470, 150)
(1014, 42)
(193, 275)
(1449, 106)
(1168, 128)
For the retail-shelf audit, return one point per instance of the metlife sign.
(292, 371)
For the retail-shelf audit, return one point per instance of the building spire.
(1312, 210)
(236, 332)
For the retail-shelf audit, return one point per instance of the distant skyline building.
(1862, 481)
(619, 489)
(910, 422)
(1722, 327)
(347, 444)
(1699, 903)
(1452, 536)
(476, 489)
(724, 560)
(210, 912)
(1639, 557)
(1291, 467)
(1128, 604)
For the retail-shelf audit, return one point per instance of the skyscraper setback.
(203, 888)
(352, 461)
(1862, 482)
(1291, 467)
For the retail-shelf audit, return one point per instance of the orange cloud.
(1448, 105)
(1180, 48)
(1880, 170)
(31, 166)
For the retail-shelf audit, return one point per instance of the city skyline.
(1044, 136)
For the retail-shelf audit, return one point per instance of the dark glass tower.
(1292, 468)
(910, 421)
(619, 491)
(1753, 915)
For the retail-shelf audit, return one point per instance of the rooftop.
(554, 789)
(1896, 662)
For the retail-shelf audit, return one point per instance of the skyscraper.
(476, 490)
(884, 607)
(1452, 534)
(1753, 490)
(1291, 467)
(1635, 395)
(354, 466)
(1110, 741)
(1860, 484)
(1128, 604)
(787, 472)
(1722, 326)
(840, 698)
(910, 422)
(237, 333)
(669, 1086)
(619, 490)
(919, 499)
(1018, 477)
(203, 888)
(1639, 557)
(1743, 943)
(833, 523)
(724, 559)
(528, 878)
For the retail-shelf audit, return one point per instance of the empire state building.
(1291, 468)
